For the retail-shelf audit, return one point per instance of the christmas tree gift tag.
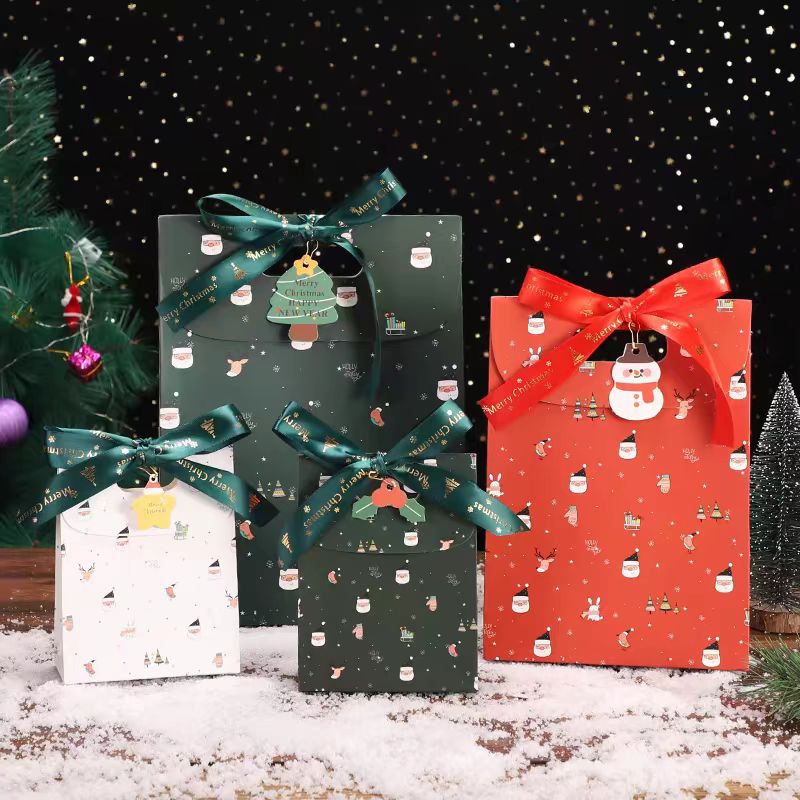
(146, 582)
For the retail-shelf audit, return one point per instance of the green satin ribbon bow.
(268, 237)
(356, 470)
(94, 460)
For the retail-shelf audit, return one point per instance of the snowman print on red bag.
(635, 394)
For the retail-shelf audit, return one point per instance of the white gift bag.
(146, 583)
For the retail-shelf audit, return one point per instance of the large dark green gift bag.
(223, 349)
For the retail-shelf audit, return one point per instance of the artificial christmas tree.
(57, 329)
(775, 516)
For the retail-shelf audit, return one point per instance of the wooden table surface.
(27, 588)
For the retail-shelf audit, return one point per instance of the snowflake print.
(435, 342)
(453, 237)
(245, 318)
(314, 403)
(398, 366)
(423, 396)
(331, 345)
(276, 368)
(344, 430)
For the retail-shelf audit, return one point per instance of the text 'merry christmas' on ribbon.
(354, 470)
(94, 460)
(662, 308)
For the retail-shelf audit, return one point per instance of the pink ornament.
(13, 422)
(85, 362)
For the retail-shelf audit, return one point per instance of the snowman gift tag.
(635, 394)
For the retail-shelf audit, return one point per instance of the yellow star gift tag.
(305, 265)
(153, 507)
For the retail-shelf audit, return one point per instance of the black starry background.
(610, 145)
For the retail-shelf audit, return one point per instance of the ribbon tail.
(333, 499)
(725, 430)
(377, 355)
(438, 430)
(461, 497)
(203, 291)
(224, 487)
(528, 385)
(77, 483)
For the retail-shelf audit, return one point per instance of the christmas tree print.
(775, 504)
(592, 412)
(577, 413)
(303, 299)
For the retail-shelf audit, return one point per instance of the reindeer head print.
(545, 561)
(236, 366)
(684, 403)
(233, 600)
(86, 574)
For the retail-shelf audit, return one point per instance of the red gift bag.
(634, 474)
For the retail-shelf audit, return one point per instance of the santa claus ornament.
(71, 301)
(635, 394)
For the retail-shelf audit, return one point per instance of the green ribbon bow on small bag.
(356, 470)
(94, 460)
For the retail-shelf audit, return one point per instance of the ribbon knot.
(144, 449)
(377, 464)
(353, 471)
(663, 308)
(627, 310)
(110, 460)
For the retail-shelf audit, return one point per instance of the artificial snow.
(531, 731)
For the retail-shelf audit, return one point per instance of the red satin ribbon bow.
(661, 308)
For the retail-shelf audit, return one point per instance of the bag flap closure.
(410, 258)
(388, 533)
(519, 334)
(112, 512)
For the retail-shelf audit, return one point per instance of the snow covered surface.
(605, 733)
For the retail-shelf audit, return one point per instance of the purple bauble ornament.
(13, 422)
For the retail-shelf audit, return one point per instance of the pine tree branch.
(775, 676)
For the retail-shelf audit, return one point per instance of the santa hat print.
(727, 572)
(522, 592)
(545, 637)
(634, 556)
(714, 645)
(630, 439)
(109, 596)
(740, 450)
(740, 375)
(84, 504)
(581, 473)
(214, 563)
(537, 315)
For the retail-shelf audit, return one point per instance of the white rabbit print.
(533, 357)
(494, 485)
(593, 612)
